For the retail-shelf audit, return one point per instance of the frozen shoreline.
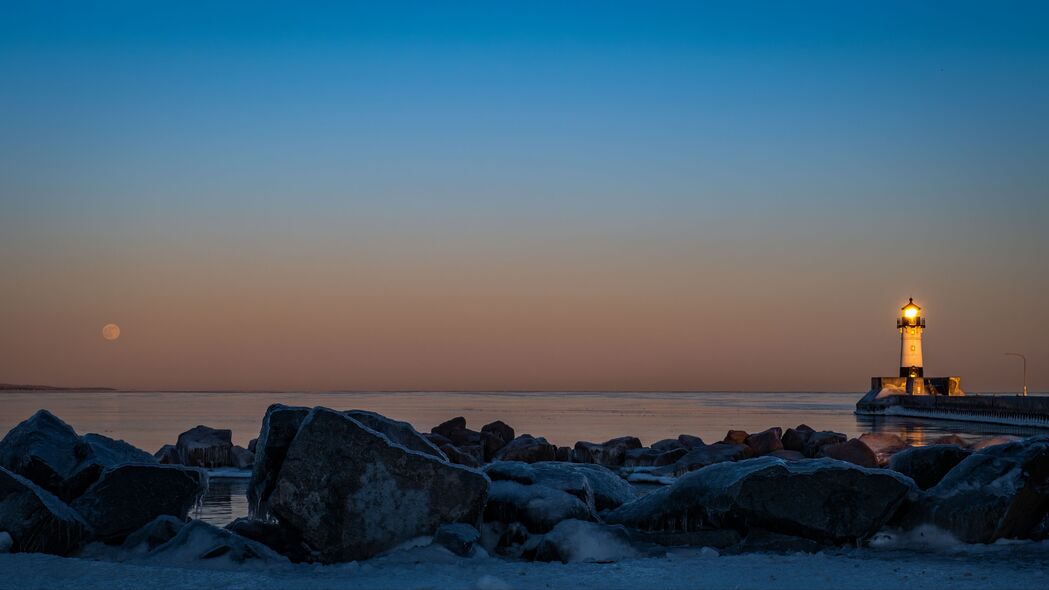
(1013, 566)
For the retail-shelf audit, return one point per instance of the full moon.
(111, 331)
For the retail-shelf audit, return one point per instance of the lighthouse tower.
(911, 324)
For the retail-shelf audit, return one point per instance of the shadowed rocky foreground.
(334, 487)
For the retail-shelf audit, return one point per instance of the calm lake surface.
(150, 419)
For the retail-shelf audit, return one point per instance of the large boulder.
(690, 442)
(242, 458)
(168, 455)
(736, 437)
(353, 493)
(96, 453)
(992, 441)
(596, 486)
(766, 441)
(448, 427)
(538, 507)
(928, 465)
(818, 440)
(37, 520)
(41, 449)
(884, 445)
(127, 497)
(574, 541)
(202, 446)
(279, 426)
(824, 500)
(643, 457)
(999, 492)
(610, 453)
(459, 457)
(853, 451)
(500, 430)
(528, 449)
(199, 541)
(700, 457)
(399, 432)
(667, 444)
(459, 538)
(795, 439)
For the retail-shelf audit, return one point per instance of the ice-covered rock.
(766, 441)
(538, 507)
(279, 426)
(1000, 492)
(821, 499)
(6, 542)
(787, 455)
(667, 444)
(884, 445)
(596, 486)
(527, 448)
(459, 538)
(1001, 439)
(242, 458)
(153, 534)
(397, 431)
(610, 453)
(36, 519)
(281, 539)
(853, 451)
(670, 457)
(353, 493)
(41, 449)
(457, 456)
(251, 445)
(928, 465)
(573, 541)
(642, 457)
(199, 542)
(97, 453)
(610, 491)
(127, 497)
(168, 455)
(202, 446)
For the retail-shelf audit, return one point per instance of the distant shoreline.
(14, 387)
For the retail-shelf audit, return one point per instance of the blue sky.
(827, 145)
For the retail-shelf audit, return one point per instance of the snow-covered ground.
(1013, 566)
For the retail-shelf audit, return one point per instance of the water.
(150, 419)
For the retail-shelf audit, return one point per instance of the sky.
(522, 195)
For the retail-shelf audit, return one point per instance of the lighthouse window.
(912, 348)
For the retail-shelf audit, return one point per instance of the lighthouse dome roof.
(910, 305)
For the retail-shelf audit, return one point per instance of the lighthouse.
(911, 324)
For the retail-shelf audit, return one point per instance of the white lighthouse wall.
(911, 348)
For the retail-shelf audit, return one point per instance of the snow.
(980, 567)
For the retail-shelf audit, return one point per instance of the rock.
(668, 444)
(818, 440)
(41, 449)
(6, 542)
(853, 451)
(352, 493)
(528, 449)
(399, 432)
(795, 439)
(279, 426)
(610, 453)
(928, 465)
(459, 538)
(96, 453)
(690, 442)
(573, 541)
(202, 446)
(446, 428)
(995, 440)
(950, 439)
(538, 507)
(766, 441)
(242, 458)
(700, 457)
(490, 445)
(199, 541)
(36, 520)
(458, 457)
(153, 534)
(643, 457)
(251, 445)
(437, 440)
(563, 454)
(884, 445)
(824, 500)
(167, 455)
(670, 457)
(127, 497)
(787, 455)
(271, 534)
(609, 490)
(500, 430)
(1000, 492)
(736, 437)
(558, 476)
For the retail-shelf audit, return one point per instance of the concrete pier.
(942, 398)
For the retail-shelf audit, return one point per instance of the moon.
(111, 331)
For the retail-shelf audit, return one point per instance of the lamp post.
(1025, 368)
